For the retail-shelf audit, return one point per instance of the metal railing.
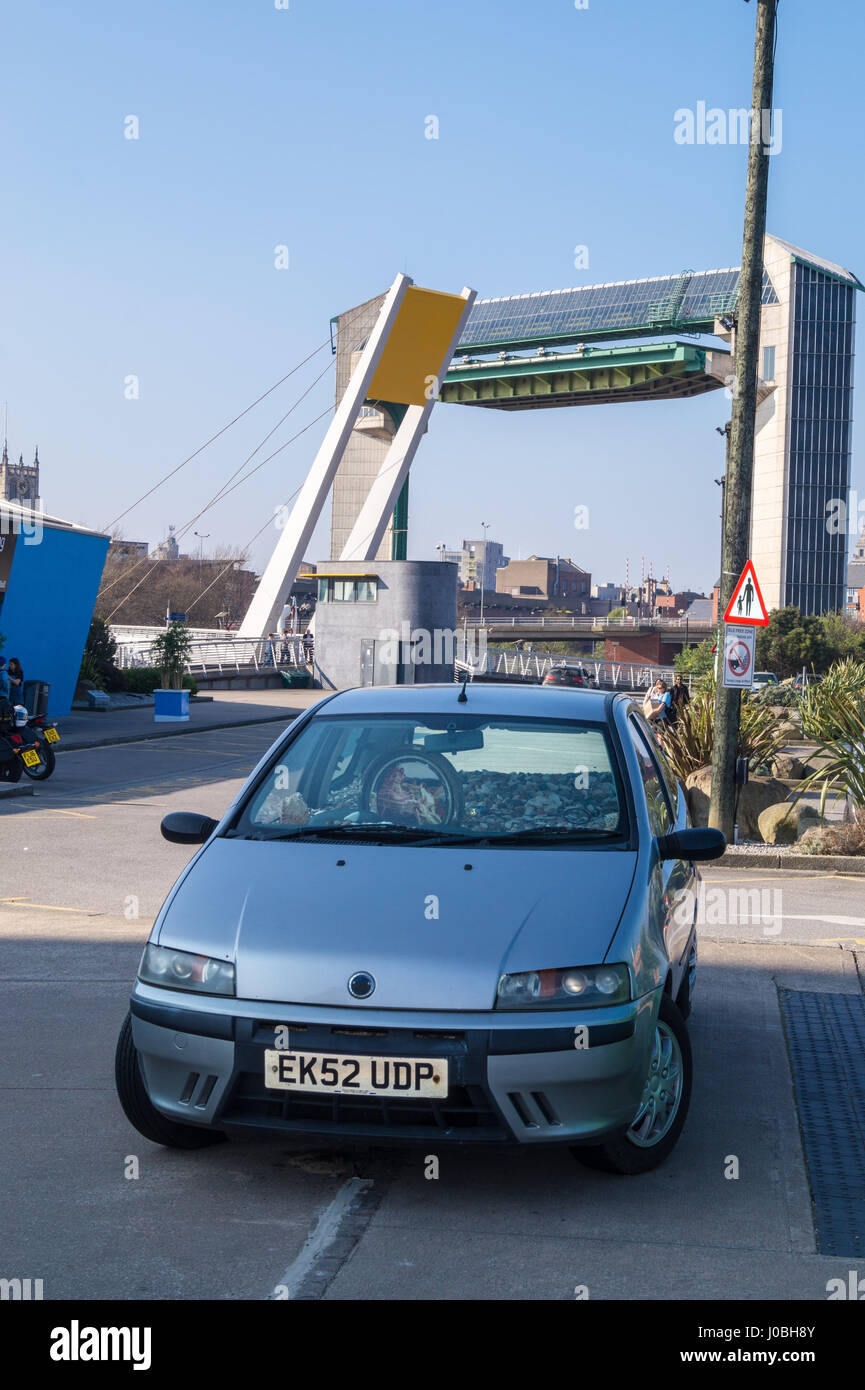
(618, 675)
(594, 624)
(216, 655)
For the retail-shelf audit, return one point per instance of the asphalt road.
(96, 1211)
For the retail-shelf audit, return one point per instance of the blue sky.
(305, 127)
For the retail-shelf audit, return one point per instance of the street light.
(202, 537)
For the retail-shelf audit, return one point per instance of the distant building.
(855, 598)
(700, 611)
(128, 549)
(674, 605)
(611, 593)
(168, 549)
(19, 482)
(477, 563)
(545, 577)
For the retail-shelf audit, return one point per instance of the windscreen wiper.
(370, 830)
(557, 833)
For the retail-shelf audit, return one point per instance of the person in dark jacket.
(679, 698)
(16, 681)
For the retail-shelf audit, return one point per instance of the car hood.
(433, 932)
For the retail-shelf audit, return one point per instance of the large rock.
(759, 793)
(783, 823)
(754, 797)
(698, 786)
(786, 766)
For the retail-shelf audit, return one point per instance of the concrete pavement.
(228, 709)
(96, 1211)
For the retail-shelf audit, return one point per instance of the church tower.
(19, 482)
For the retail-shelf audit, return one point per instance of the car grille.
(468, 1115)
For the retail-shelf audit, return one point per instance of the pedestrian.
(656, 706)
(16, 681)
(679, 699)
(5, 688)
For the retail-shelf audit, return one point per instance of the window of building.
(347, 590)
(768, 372)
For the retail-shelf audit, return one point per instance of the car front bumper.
(513, 1077)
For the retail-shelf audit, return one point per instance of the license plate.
(30, 758)
(339, 1075)
(52, 735)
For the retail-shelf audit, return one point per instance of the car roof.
(483, 697)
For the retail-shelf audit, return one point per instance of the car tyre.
(685, 997)
(639, 1149)
(139, 1110)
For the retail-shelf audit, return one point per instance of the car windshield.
(458, 776)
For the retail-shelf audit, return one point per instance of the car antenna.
(462, 698)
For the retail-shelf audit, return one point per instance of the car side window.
(667, 773)
(661, 817)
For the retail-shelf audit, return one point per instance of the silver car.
(431, 915)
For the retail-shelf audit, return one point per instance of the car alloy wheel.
(662, 1092)
(663, 1109)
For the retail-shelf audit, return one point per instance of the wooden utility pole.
(736, 524)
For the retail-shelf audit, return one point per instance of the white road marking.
(831, 921)
(325, 1233)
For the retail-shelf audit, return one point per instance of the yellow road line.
(46, 907)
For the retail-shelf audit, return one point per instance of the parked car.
(566, 674)
(431, 916)
(764, 678)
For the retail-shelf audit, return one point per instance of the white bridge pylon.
(281, 569)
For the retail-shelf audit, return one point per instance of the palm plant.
(170, 652)
(843, 716)
(843, 685)
(689, 743)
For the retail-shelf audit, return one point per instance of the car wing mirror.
(695, 843)
(187, 828)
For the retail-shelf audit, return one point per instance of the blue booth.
(49, 578)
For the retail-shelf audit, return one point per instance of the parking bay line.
(327, 1230)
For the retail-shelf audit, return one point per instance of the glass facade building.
(820, 420)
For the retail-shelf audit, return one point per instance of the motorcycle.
(19, 750)
(44, 732)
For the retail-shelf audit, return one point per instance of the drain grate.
(826, 1043)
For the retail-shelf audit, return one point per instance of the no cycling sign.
(739, 643)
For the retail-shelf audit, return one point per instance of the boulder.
(790, 728)
(783, 823)
(698, 786)
(759, 793)
(786, 766)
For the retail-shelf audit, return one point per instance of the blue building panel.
(47, 605)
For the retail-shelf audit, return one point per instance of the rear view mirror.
(187, 828)
(700, 842)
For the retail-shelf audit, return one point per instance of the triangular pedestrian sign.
(746, 605)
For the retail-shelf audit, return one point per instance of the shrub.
(690, 742)
(844, 751)
(844, 684)
(143, 680)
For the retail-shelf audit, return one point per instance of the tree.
(698, 660)
(792, 640)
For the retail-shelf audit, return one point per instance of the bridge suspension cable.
(216, 436)
(160, 560)
(225, 489)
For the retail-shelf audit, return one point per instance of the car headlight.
(581, 986)
(160, 965)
